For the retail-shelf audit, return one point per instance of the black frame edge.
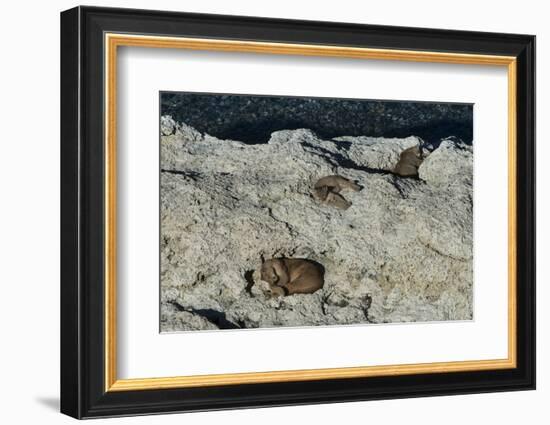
(251, 19)
(70, 382)
(526, 210)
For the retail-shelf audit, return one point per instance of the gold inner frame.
(113, 41)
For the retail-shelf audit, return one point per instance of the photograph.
(285, 211)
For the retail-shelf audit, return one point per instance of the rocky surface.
(402, 252)
(252, 119)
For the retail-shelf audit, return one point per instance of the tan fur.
(327, 189)
(337, 200)
(287, 276)
(409, 161)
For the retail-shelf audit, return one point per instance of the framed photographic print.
(262, 212)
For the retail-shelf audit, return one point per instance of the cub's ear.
(273, 276)
(262, 258)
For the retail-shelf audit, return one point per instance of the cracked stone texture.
(401, 253)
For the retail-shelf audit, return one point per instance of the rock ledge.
(401, 253)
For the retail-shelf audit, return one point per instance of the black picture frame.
(83, 392)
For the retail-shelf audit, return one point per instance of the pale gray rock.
(402, 252)
(451, 162)
(377, 152)
(167, 125)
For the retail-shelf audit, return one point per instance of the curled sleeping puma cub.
(287, 276)
(327, 189)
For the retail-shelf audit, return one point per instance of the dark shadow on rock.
(191, 174)
(340, 160)
(216, 317)
(343, 144)
(248, 275)
(213, 316)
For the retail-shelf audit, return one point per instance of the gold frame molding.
(113, 41)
